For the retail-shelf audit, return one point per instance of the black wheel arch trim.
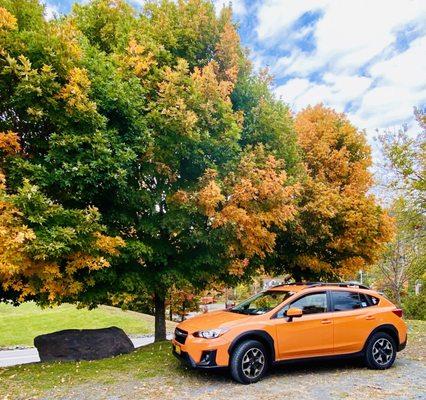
(386, 328)
(259, 335)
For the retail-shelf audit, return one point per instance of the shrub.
(415, 306)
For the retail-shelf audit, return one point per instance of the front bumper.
(202, 353)
(208, 359)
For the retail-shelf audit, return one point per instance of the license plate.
(177, 349)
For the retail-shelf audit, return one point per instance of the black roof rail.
(338, 284)
(290, 284)
(313, 284)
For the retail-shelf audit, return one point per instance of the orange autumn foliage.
(75, 92)
(9, 143)
(228, 52)
(251, 200)
(31, 275)
(337, 214)
(13, 236)
(139, 58)
(7, 20)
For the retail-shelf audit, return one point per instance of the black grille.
(180, 335)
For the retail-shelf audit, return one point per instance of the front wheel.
(380, 352)
(249, 362)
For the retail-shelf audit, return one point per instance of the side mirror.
(293, 313)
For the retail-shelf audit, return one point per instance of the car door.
(309, 335)
(353, 319)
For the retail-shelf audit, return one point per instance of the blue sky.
(364, 57)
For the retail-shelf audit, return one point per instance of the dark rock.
(83, 344)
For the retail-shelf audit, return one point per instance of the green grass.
(19, 325)
(416, 346)
(33, 380)
(416, 327)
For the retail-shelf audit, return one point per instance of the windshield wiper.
(235, 310)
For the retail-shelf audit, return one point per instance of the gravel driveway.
(309, 380)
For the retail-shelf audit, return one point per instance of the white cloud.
(293, 89)
(404, 69)
(335, 91)
(296, 63)
(386, 106)
(400, 86)
(347, 35)
(277, 16)
(50, 11)
(355, 58)
(352, 33)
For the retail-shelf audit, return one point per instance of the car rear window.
(372, 301)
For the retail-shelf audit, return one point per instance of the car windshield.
(262, 302)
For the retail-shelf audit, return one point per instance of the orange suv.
(290, 322)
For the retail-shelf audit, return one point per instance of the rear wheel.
(249, 362)
(380, 352)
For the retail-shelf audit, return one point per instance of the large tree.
(402, 178)
(404, 261)
(339, 227)
(403, 172)
(157, 120)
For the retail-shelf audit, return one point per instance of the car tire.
(249, 362)
(380, 352)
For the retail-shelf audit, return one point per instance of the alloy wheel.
(382, 351)
(253, 363)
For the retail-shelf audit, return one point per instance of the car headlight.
(211, 333)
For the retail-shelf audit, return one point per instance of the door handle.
(326, 321)
(369, 317)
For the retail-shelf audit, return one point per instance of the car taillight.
(398, 312)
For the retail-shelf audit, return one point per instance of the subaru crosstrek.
(291, 322)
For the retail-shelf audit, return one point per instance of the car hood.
(212, 320)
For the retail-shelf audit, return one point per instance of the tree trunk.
(170, 308)
(160, 317)
(398, 296)
(297, 275)
(182, 317)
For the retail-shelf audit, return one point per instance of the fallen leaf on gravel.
(374, 387)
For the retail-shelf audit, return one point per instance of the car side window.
(310, 304)
(344, 301)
